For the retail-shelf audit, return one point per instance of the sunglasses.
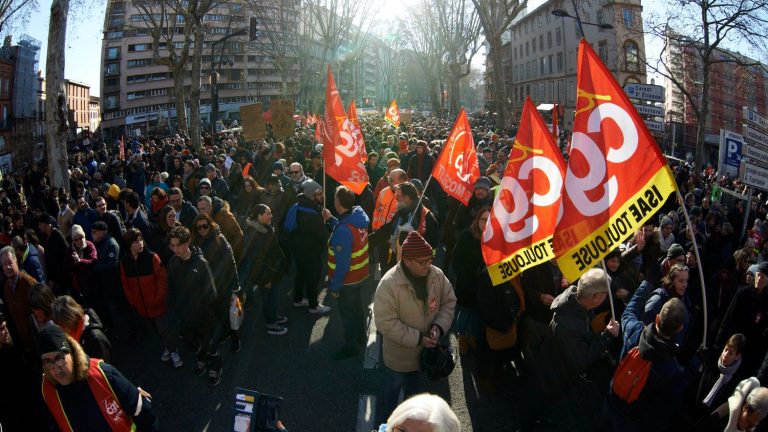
(295, 172)
(77, 238)
(205, 187)
(203, 227)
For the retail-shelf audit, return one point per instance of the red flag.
(555, 131)
(247, 169)
(393, 114)
(456, 168)
(121, 153)
(518, 234)
(341, 151)
(358, 132)
(319, 131)
(617, 177)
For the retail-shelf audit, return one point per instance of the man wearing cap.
(413, 307)
(218, 184)
(109, 297)
(56, 253)
(747, 315)
(307, 241)
(86, 394)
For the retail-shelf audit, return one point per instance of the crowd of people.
(160, 240)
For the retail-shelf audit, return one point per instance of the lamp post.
(214, 76)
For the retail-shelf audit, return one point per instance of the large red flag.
(358, 132)
(456, 168)
(392, 115)
(518, 234)
(318, 130)
(341, 152)
(617, 177)
(121, 150)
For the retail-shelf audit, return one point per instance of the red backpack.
(630, 376)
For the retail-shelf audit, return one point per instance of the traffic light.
(253, 33)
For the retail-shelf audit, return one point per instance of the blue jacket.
(85, 218)
(631, 322)
(653, 307)
(341, 242)
(31, 264)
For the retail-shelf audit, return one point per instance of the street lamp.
(563, 14)
(214, 76)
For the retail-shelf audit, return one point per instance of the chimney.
(7, 41)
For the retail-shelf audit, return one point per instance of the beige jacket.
(402, 319)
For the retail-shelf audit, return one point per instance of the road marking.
(372, 345)
(366, 411)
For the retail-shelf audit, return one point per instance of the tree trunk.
(178, 91)
(454, 90)
(500, 91)
(56, 101)
(194, 89)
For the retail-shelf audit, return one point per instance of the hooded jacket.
(341, 243)
(229, 227)
(145, 283)
(191, 292)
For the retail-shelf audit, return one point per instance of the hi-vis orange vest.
(116, 417)
(386, 207)
(358, 263)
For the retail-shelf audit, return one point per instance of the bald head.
(397, 176)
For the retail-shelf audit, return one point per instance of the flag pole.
(424, 192)
(698, 266)
(610, 294)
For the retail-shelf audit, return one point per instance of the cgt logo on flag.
(456, 168)
(616, 177)
(393, 114)
(518, 234)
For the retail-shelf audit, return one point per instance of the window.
(111, 101)
(600, 19)
(558, 36)
(603, 50)
(542, 66)
(549, 61)
(629, 18)
(114, 35)
(533, 45)
(549, 39)
(111, 68)
(631, 56)
(111, 82)
(139, 47)
(541, 42)
(526, 48)
(559, 62)
(113, 53)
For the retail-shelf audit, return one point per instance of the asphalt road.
(320, 394)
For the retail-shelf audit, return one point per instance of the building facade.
(541, 51)
(6, 101)
(731, 88)
(79, 105)
(138, 94)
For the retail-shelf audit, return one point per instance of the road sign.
(654, 126)
(649, 110)
(645, 91)
(731, 145)
(756, 154)
(753, 175)
(754, 135)
(754, 118)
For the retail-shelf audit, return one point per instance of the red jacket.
(145, 283)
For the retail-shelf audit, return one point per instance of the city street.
(320, 394)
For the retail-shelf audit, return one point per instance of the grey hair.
(594, 281)
(206, 199)
(296, 165)
(757, 401)
(9, 250)
(428, 410)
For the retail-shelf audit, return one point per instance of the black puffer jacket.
(191, 293)
(311, 235)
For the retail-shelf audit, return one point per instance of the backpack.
(290, 224)
(630, 376)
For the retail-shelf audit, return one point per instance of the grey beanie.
(310, 188)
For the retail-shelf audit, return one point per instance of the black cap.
(99, 226)
(45, 218)
(52, 339)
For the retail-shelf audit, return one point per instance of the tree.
(705, 28)
(496, 16)
(161, 20)
(14, 10)
(279, 41)
(56, 101)
(459, 28)
(419, 30)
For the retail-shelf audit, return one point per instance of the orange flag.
(341, 152)
(518, 234)
(617, 177)
(456, 168)
(121, 151)
(358, 132)
(318, 131)
(393, 114)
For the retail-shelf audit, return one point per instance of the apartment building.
(79, 105)
(541, 51)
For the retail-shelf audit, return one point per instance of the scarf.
(419, 283)
(726, 374)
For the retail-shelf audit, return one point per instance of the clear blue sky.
(84, 36)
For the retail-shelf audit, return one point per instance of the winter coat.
(188, 213)
(82, 272)
(145, 283)
(191, 291)
(218, 253)
(93, 340)
(403, 319)
(656, 302)
(270, 260)
(56, 253)
(31, 264)
(311, 235)
(341, 242)
(467, 264)
(747, 315)
(229, 227)
(541, 279)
